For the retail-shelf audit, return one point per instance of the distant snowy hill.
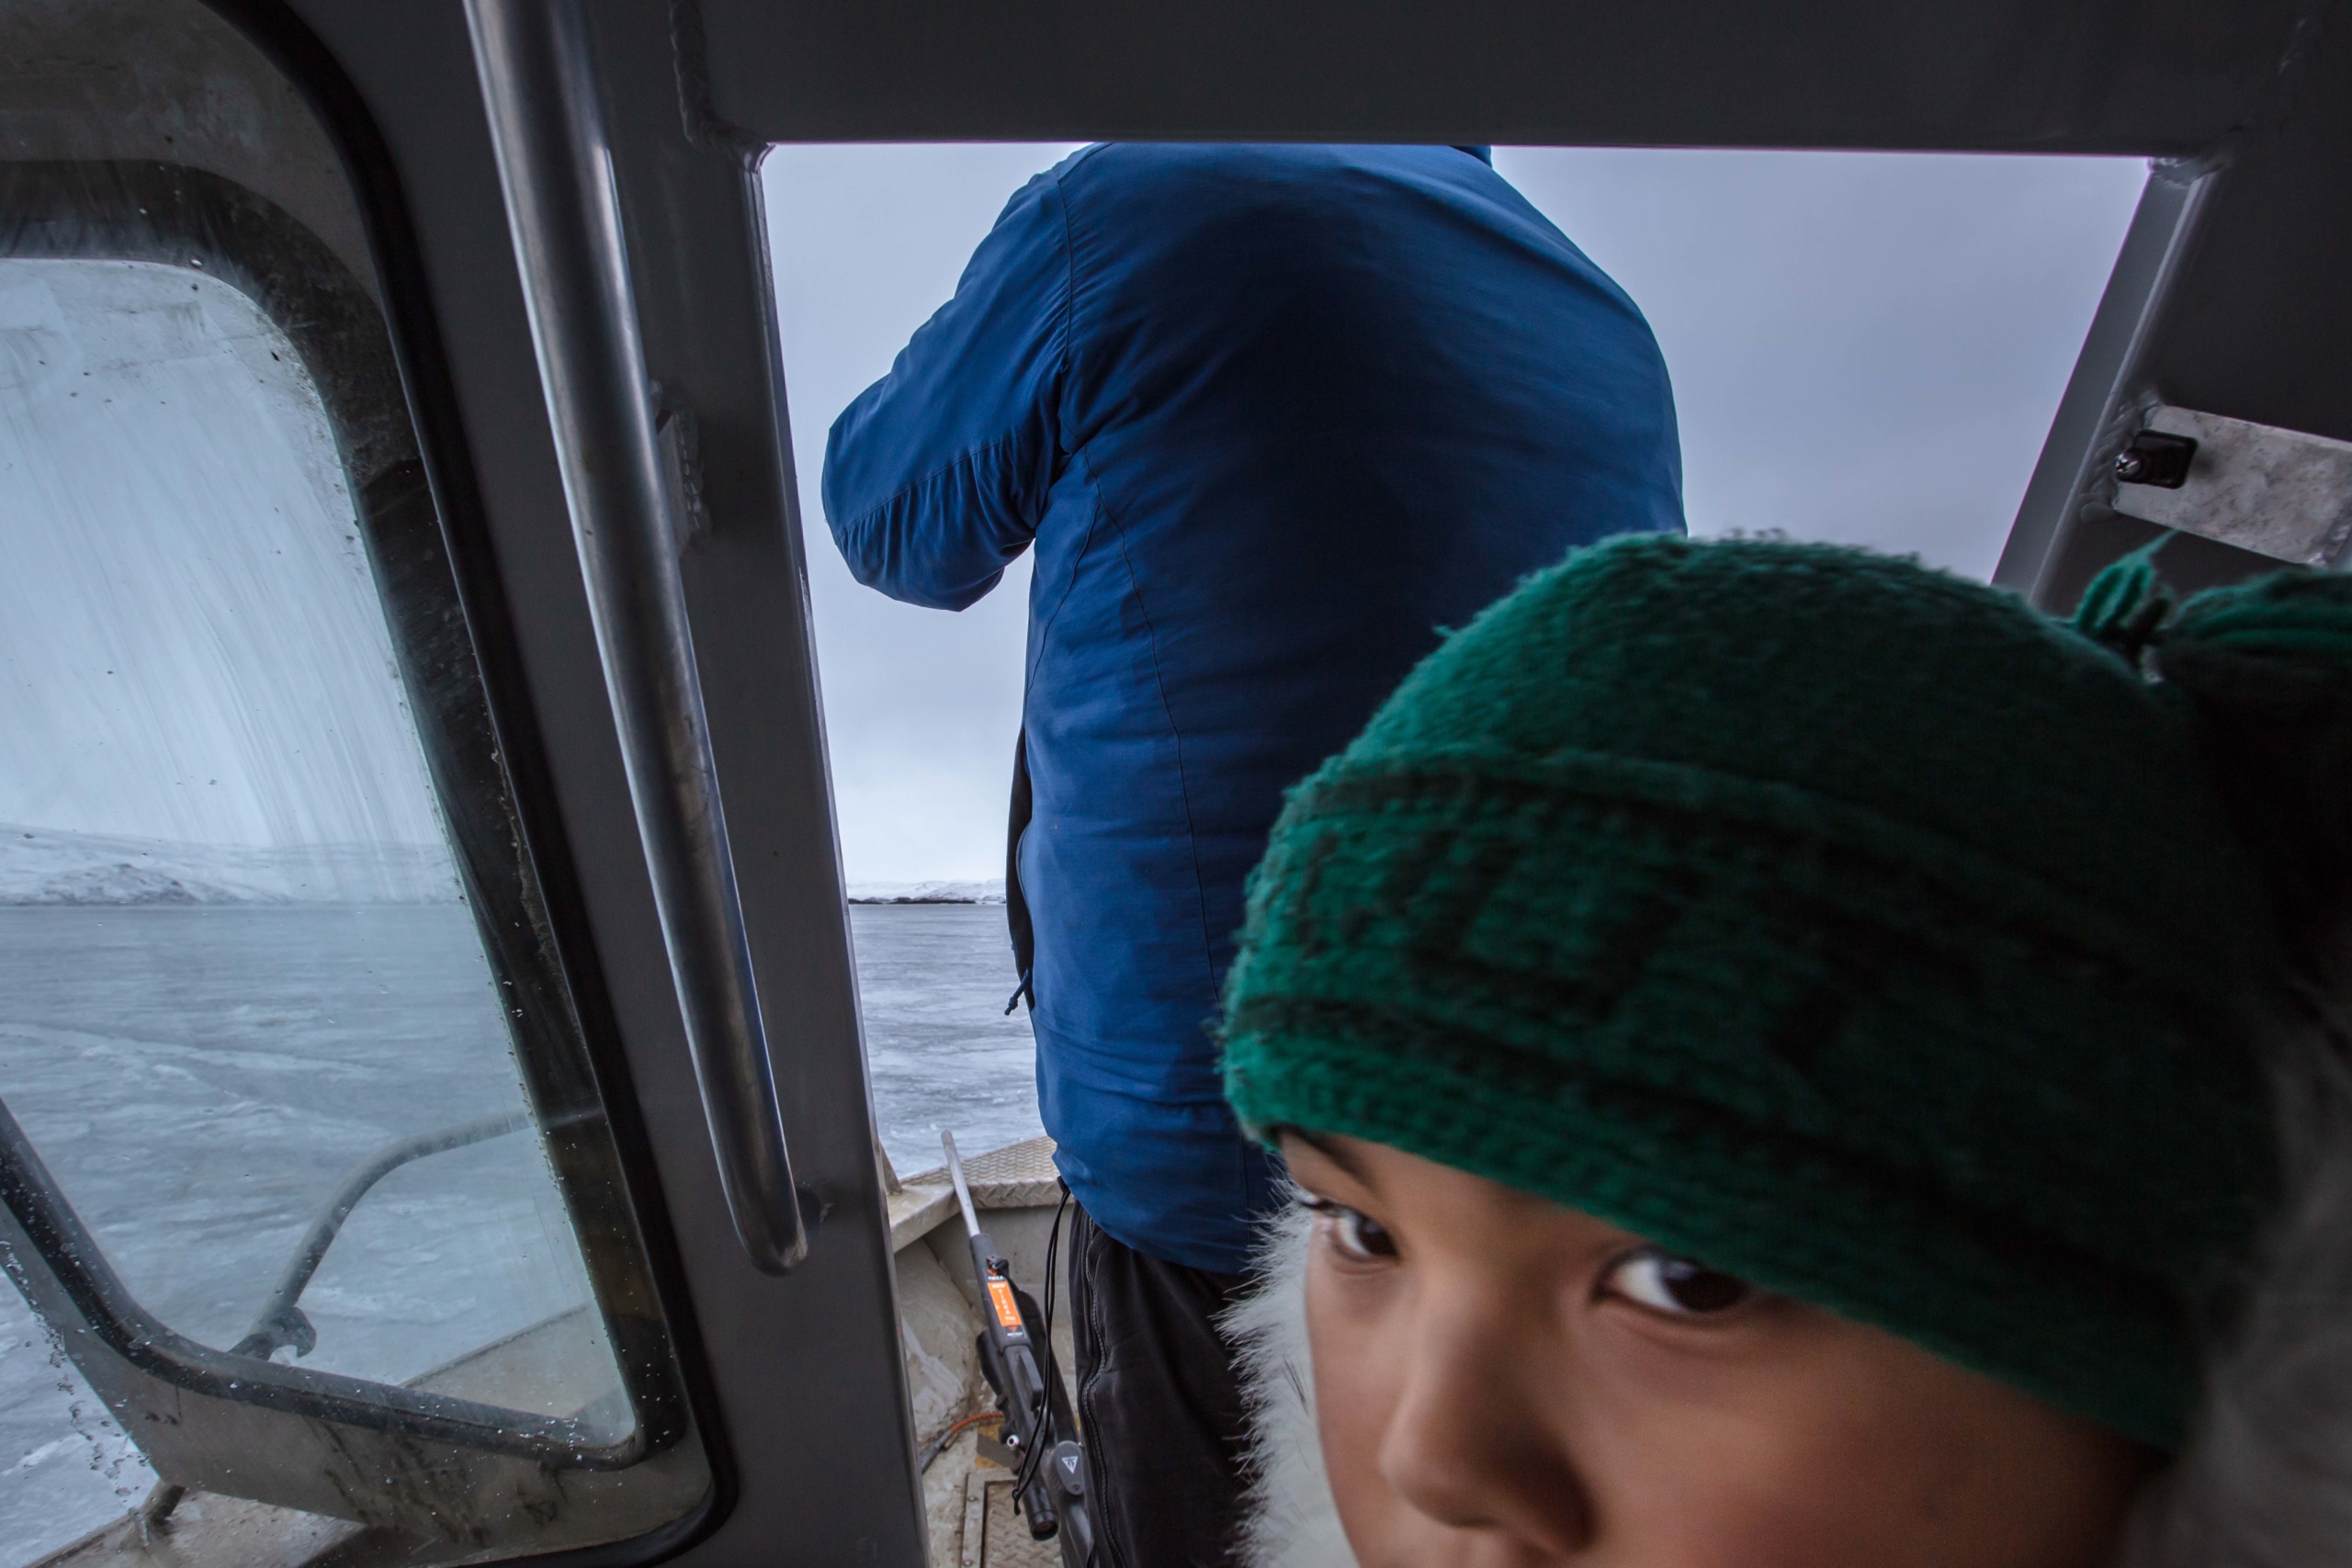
(45, 865)
(991, 892)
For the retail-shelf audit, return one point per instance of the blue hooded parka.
(1271, 417)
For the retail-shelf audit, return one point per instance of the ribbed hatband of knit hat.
(1840, 923)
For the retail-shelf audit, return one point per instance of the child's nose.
(1467, 1443)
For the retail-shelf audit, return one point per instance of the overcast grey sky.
(1865, 347)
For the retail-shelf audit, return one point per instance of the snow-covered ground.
(987, 892)
(49, 865)
(198, 1075)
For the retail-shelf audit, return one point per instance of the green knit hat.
(1834, 921)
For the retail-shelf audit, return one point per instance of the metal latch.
(679, 440)
(2278, 492)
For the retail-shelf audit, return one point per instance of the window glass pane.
(235, 962)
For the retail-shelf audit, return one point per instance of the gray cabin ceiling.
(2165, 78)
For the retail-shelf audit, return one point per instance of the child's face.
(1501, 1382)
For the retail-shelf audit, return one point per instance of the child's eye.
(1663, 1282)
(1357, 1234)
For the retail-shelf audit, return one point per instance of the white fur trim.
(1290, 1520)
(2266, 1480)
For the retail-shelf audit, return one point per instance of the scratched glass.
(246, 1023)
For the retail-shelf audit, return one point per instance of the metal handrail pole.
(280, 1321)
(556, 167)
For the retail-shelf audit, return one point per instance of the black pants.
(1160, 1404)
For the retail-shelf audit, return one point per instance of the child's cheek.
(1358, 1385)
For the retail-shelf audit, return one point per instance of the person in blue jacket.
(1272, 418)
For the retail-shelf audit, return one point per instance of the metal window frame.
(2094, 411)
(560, 927)
(2230, 297)
(443, 612)
(191, 219)
(85, 1277)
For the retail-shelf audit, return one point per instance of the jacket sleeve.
(936, 475)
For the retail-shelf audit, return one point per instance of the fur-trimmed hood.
(1291, 1520)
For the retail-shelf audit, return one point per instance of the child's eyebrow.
(1336, 1154)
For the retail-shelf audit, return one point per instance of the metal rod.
(556, 165)
(281, 1320)
(963, 1193)
(2079, 453)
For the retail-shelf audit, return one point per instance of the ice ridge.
(51, 866)
(986, 892)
